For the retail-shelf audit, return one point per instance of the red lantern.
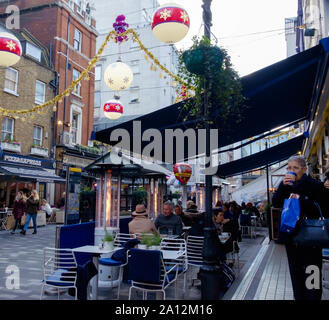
(170, 23)
(183, 172)
(10, 49)
(113, 109)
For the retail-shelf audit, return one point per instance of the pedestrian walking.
(308, 190)
(19, 209)
(31, 211)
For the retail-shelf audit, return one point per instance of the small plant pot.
(109, 245)
(142, 246)
(155, 247)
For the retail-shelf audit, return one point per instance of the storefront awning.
(277, 95)
(257, 160)
(38, 174)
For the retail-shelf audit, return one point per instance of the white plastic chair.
(121, 238)
(59, 270)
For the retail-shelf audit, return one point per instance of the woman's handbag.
(290, 215)
(313, 232)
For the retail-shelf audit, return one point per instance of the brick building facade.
(67, 29)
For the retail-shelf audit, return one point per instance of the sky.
(252, 31)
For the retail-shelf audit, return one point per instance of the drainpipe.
(66, 68)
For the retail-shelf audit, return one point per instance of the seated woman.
(140, 222)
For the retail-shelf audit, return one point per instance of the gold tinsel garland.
(85, 75)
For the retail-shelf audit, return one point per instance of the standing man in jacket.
(308, 190)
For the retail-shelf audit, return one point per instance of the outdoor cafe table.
(96, 251)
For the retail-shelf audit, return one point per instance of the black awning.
(270, 156)
(276, 95)
(38, 174)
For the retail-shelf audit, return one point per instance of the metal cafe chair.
(176, 245)
(194, 247)
(59, 270)
(148, 272)
(4, 218)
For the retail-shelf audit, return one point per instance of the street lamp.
(209, 271)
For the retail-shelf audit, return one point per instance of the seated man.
(50, 214)
(167, 222)
(140, 222)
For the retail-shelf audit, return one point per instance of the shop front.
(23, 173)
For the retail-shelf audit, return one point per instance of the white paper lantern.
(113, 109)
(10, 49)
(118, 76)
(170, 23)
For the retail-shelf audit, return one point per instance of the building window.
(97, 99)
(40, 92)
(79, 5)
(7, 131)
(75, 128)
(77, 39)
(37, 136)
(98, 73)
(33, 51)
(11, 80)
(76, 75)
(134, 95)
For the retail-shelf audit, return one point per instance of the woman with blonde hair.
(31, 211)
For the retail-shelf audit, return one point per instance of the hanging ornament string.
(112, 35)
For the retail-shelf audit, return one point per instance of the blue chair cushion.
(55, 278)
(109, 262)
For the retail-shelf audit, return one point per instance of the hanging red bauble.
(183, 172)
(170, 23)
(113, 109)
(10, 49)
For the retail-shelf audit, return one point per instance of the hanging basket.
(195, 59)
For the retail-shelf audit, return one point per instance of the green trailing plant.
(151, 240)
(108, 237)
(226, 103)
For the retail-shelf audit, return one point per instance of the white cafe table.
(96, 251)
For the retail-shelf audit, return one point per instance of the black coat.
(32, 206)
(310, 191)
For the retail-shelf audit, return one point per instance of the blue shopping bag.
(290, 215)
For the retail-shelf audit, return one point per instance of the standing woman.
(297, 184)
(19, 209)
(31, 211)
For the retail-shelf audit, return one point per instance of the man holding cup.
(297, 184)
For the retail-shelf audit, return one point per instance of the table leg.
(94, 291)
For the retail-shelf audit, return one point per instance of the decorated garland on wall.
(112, 35)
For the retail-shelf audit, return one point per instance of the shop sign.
(18, 159)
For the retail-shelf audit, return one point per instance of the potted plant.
(156, 241)
(146, 241)
(108, 240)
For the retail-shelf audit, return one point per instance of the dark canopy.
(270, 156)
(276, 95)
